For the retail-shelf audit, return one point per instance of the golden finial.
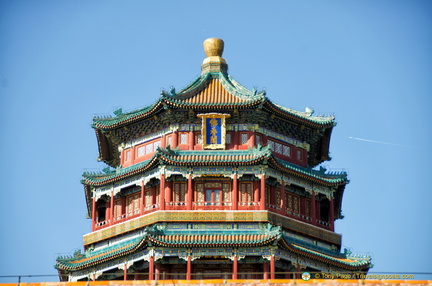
(213, 47)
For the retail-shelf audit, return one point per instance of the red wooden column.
(163, 142)
(93, 213)
(125, 272)
(188, 268)
(298, 274)
(151, 268)
(262, 193)
(266, 269)
(234, 196)
(272, 267)
(168, 192)
(235, 139)
(256, 192)
(332, 216)
(162, 192)
(235, 267)
(174, 140)
(252, 139)
(142, 197)
(313, 208)
(111, 222)
(282, 197)
(189, 193)
(191, 140)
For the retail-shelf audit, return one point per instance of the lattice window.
(308, 207)
(200, 192)
(226, 192)
(228, 138)
(132, 204)
(169, 140)
(278, 148)
(246, 192)
(286, 150)
(296, 204)
(128, 155)
(244, 138)
(140, 151)
(267, 194)
(278, 197)
(149, 148)
(183, 138)
(271, 144)
(148, 198)
(117, 209)
(179, 192)
(156, 145)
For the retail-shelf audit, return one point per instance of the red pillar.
(272, 267)
(266, 269)
(313, 208)
(236, 139)
(189, 193)
(262, 193)
(332, 214)
(191, 140)
(188, 268)
(111, 217)
(162, 192)
(174, 140)
(235, 267)
(168, 192)
(125, 271)
(234, 197)
(163, 142)
(282, 198)
(93, 214)
(142, 197)
(252, 139)
(151, 268)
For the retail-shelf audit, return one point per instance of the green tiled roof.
(337, 258)
(157, 235)
(241, 97)
(335, 178)
(109, 122)
(251, 156)
(322, 120)
(101, 178)
(89, 258)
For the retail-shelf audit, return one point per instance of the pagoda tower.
(212, 181)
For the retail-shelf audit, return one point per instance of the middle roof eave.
(252, 156)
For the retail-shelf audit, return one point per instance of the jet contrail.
(379, 142)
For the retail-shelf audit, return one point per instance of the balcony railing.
(210, 206)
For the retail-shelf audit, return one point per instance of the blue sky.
(367, 62)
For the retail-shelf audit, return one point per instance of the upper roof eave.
(301, 117)
(110, 123)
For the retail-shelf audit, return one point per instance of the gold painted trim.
(220, 116)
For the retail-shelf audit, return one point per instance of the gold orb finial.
(213, 47)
